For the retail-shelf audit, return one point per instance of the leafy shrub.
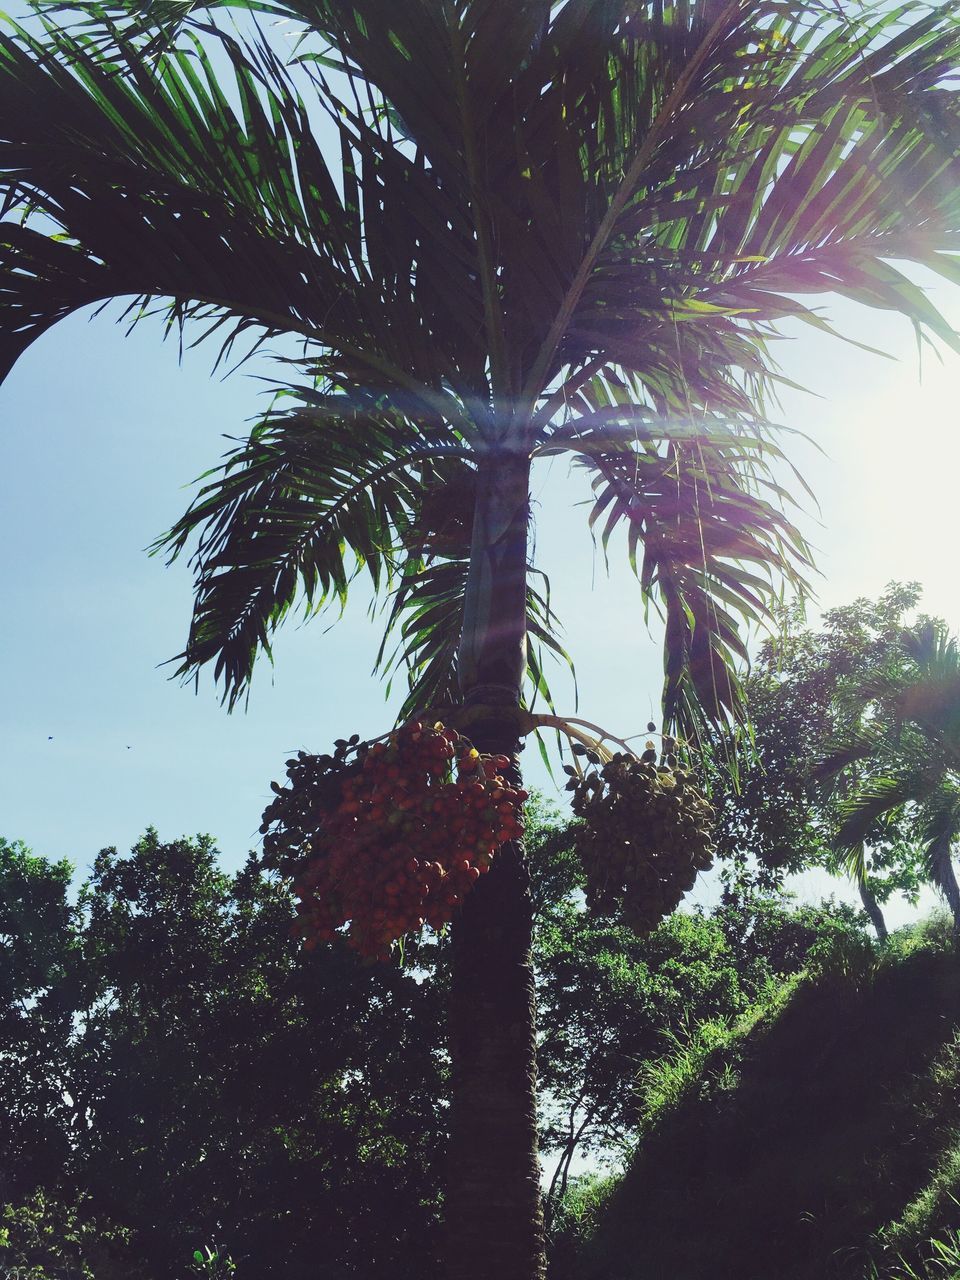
(576, 1219)
(44, 1239)
(843, 956)
(933, 933)
(664, 1083)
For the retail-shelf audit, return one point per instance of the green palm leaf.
(426, 616)
(859, 744)
(313, 496)
(169, 182)
(932, 699)
(705, 542)
(940, 831)
(878, 796)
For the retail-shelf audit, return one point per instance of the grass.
(816, 1138)
(941, 1262)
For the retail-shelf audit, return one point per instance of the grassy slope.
(834, 1117)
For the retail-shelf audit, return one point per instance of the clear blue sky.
(100, 435)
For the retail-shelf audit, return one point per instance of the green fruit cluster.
(646, 835)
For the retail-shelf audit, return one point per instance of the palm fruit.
(645, 835)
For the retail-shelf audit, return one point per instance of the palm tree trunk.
(493, 1211)
(872, 907)
(948, 883)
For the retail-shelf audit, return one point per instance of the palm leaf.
(313, 496)
(931, 700)
(426, 616)
(530, 213)
(788, 150)
(859, 744)
(705, 543)
(941, 830)
(162, 182)
(879, 796)
(700, 164)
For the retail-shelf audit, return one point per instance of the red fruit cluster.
(414, 823)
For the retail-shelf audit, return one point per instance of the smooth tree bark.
(946, 880)
(493, 1208)
(872, 907)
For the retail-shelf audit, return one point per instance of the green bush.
(576, 1219)
(44, 1239)
(842, 956)
(932, 933)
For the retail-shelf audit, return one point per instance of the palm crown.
(501, 231)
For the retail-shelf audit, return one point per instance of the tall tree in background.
(502, 232)
(172, 1060)
(902, 744)
(809, 693)
(37, 982)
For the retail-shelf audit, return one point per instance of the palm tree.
(904, 744)
(499, 231)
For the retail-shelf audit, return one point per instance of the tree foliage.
(206, 1086)
(902, 746)
(611, 1002)
(211, 1084)
(810, 694)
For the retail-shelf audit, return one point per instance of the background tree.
(539, 228)
(611, 1003)
(214, 1088)
(808, 691)
(38, 953)
(903, 746)
(43, 1240)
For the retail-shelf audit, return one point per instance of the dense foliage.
(902, 748)
(175, 1065)
(830, 694)
(207, 1084)
(816, 1138)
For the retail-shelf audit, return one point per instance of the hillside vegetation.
(819, 1137)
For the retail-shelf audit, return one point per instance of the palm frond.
(313, 496)
(707, 539)
(854, 861)
(756, 152)
(941, 831)
(929, 697)
(634, 171)
(426, 616)
(528, 214)
(152, 179)
(209, 187)
(860, 743)
(875, 798)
